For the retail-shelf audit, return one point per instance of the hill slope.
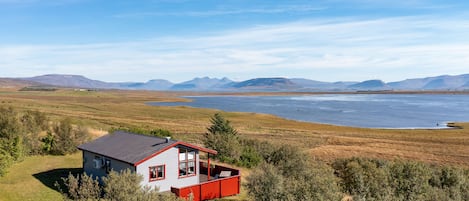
(444, 82)
(69, 81)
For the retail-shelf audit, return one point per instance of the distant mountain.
(432, 83)
(443, 82)
(310, 83)
(14, 83)
(202, 84)
(266, 84)
(70, 81)
(369, 84)
(466, 85)
(321, 86)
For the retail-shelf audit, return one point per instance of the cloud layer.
(389, 48)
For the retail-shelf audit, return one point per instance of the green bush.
(249, 157)
(290, 174)
(81, 187)
(410, 180)
(364, 179)
(266, 183)
(116, 186)
(153, 132)
(66, 138)
(34, 123)
(368, 179)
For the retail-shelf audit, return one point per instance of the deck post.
(208, 166)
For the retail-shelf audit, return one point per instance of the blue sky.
(177, 40)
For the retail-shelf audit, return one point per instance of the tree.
(66, 138)
(223, 138)
(34, 122)
(221, 126)
(11, 139)
(19, 135)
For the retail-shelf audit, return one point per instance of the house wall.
(88, 165)
(169, 158)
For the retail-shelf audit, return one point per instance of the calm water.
(373, 111)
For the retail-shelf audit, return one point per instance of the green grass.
(33, 178)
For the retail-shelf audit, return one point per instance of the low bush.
(370, 179)
(159, 132)
(116, 186)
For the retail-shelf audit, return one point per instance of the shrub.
(249, 157)
(124, 185)
(410, 180)
(159, 132)
(363, 179)
(34, 123)
(65, 138)
(289, 174)
(81, 187)
(266, 184)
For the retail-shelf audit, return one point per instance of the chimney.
(167, 139)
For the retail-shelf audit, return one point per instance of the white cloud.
(330, 50)
(212, 13)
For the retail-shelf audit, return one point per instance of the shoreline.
(448, 125)
(289, 93)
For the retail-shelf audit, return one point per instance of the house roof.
(133, 148)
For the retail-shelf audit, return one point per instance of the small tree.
(34, 122)
(66, 138)
(11, 138)
(221, 126)
(223, 138)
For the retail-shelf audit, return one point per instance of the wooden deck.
(215, 188)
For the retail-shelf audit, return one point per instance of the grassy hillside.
(102, 110)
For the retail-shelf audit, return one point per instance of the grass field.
(103, 110)
(33, 179)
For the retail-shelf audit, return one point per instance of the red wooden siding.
(212, 189)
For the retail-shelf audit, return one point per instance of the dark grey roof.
(127, 147)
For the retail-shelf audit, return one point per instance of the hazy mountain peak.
(369, 84)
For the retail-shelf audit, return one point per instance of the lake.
(358, 110)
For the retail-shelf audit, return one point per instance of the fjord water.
(358, 110)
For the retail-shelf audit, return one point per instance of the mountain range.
(443, 82)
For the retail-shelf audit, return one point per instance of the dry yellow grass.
(105, 109)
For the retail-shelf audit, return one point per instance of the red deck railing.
(215, 188)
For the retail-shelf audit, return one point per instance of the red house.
(170, 165)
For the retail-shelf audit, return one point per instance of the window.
(186, 163)
(157, 172)
(97, 162)
(107, 163)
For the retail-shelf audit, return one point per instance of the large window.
(157, 172)
(186, 162)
